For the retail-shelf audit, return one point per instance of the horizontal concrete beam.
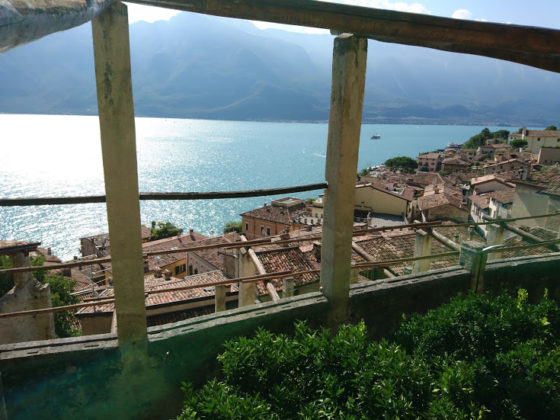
(23, 21)
(537, 47)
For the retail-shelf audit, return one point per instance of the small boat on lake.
(376, 136)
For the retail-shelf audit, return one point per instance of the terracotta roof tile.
(277, 214)
(286, 259)
(396, 245)
(455, 161)
(543, 133)
(213, 256)
(503, 196)
(153, 283)
(180, 241)
(482, 201)
(431, 201)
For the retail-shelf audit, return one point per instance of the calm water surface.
(61, 156)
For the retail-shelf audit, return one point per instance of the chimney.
(285, 236)
(317, 250)
(157, 272)
(167, 274)
(191, 234)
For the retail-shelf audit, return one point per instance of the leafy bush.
(65, 323)
(164, 230)
(479, 139)
(232, 227)
(517, 143)
(403, 163)
(476, 357)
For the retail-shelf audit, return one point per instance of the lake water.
(48, 156)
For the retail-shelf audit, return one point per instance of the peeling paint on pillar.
(345, 118)
(118, 141)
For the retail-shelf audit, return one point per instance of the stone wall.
(27, 294)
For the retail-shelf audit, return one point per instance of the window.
(246, 227)
(180, 269)
(267, 231)
(190, 270)
(196, 271)
(262, 230)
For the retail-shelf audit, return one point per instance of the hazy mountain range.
(197, 66)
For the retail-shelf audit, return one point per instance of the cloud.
(289, 28)
(137, 12)
(462, 14)
(400, 6)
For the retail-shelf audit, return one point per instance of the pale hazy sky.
(544, 13)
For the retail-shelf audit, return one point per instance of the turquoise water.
(61, 155)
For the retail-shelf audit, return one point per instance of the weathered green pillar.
(473, 259)
(422, 248)
(220, 298)
(345, 119)
(118, 144)
(495, 237)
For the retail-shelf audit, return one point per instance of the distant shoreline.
(406, 121)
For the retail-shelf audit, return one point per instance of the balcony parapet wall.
(83, 376)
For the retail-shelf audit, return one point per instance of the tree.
(517, 143)
(479, 139)
(164, 230)
(500, 134)
(65, 323)
(363, 172)
(232, 227)
(403, 163)
(6, 280)
(551, 128)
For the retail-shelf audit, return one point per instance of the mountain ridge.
(197, 66)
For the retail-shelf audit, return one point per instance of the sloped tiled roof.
(431, 201)
(396, 245)
(7, 247)
(548, 179)
(487, 178)
(405, 195)
(213, 256)
(430, 156)
(491, 165)
(482, 201)
(286, 259)
(503, 196)
(180, 241)
(543, 133)
(425, 178)
(152, 283)
(277, 214)
(455, 161)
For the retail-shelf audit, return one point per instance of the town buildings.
(430, 162)
(536, 139)
(282, 215)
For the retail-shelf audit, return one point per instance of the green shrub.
(476, 357)
(471, 327)
(232, 227)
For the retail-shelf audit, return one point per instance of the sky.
(543, 13)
